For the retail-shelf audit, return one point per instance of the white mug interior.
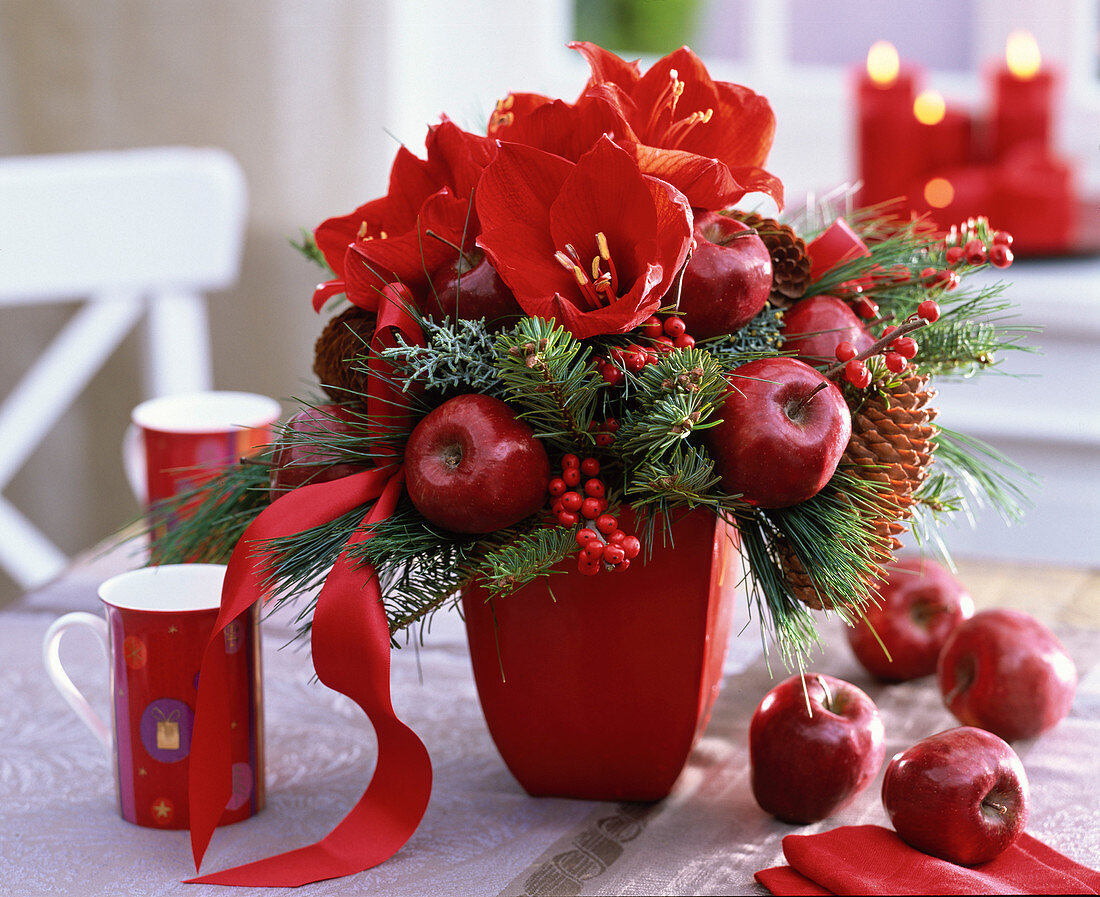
(170, 588)
(206, 412)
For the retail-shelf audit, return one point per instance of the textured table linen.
(60, 832)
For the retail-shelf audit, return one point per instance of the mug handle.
(51, 656)
(133, 462)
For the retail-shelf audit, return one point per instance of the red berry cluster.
(974, 245)
(896, 352)
(601, 541)
(605, 432)
(665, 335)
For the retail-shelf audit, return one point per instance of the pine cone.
(344, 338)
(891, 444)
(790, 263)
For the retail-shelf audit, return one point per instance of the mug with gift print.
(157, 623)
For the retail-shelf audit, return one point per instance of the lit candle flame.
(883, 63)
(929, 107)
(1022, 55)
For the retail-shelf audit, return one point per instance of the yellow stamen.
(601, 242)
(564, 260)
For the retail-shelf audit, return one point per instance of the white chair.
(130, 235)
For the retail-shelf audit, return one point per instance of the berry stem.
(913, 322)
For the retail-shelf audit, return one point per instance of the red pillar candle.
(889, 155)
(944, 134)
(1023, 97)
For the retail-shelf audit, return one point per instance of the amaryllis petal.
(606, 66)
(565, 129)
(593, 245)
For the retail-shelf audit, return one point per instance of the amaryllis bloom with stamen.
(427, 212)
(594, 244)
(708, 138)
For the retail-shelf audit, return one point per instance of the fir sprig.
(458, 356)
(549, 378)
(528, 556)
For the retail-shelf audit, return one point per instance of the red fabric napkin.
(870, 859)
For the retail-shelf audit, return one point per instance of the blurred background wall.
(314, 96)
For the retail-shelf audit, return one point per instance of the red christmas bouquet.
(567, 375)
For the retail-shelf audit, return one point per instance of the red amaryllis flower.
(408, 233)
(708, 138)
(593, 244)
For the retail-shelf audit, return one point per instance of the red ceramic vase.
(600, 690)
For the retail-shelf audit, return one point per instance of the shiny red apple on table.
(469, 287)
(919, 605)
(312, 448)
(779, 441)
(813, 327)
(727, 279)
(960, 795)
(1005, 671)
(472, 466)
(808, 762)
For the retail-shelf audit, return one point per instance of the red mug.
(158, 622)
(176, 442)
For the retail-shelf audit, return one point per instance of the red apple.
(728, 278)
(777, 444)
(808, 762)
(1004, 671)
(301, 455)
(961, 795)
(812, 328)
(470, 287)
(472, 466)
(919, 605)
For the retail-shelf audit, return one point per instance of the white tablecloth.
(60, 833)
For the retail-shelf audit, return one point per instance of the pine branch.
(458, 357)
(203, 524)
(549, 378)
(308, 247)
(525, 558)
(759, 338)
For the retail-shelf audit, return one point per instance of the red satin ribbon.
(351, 653)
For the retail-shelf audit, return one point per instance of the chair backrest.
(131, 235)
(82, 223)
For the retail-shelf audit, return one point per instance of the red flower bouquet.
(528, 403)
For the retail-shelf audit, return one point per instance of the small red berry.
(603, 440)
(571, 501)
(675, 326)
(571, 476)
(605, 523)
(594, 549)
(1002, 238)
(591, 508)
(886, 331)
(570, 460)
(928, 276)
(634, 359)
(652, 327)
(1000, 256)
(858, 374)
(557, 487)
(611, 425)
(954, 255)
(587, 566)
(975, 252)
(614, 554)
(594, 488)
(631, 547)
(895, 362)
(684, 341)
(613, 375)
(590, 467)
(905, 346)
(585, 535)
(929, 309)
(568, 518)
(616, 537)
(845, 351)
(622, 566)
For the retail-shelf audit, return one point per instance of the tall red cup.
(156, 627)
(176, 442)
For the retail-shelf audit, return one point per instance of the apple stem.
(256, 462)
(828, 692)
(1000, 808)
(913, 322)
(806, 398)
(454, 246)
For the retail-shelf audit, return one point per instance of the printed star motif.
(142, 772)
(233, 725)
(162, 810)
(173, 628)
